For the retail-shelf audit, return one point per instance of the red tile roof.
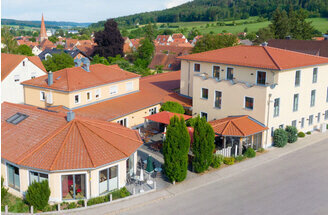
(165, 116)
(47, 44)
(76, 78)
(258, 56)
(177, 36)
(10, 61)
(240, 126)
(45, 140)
(154, 89)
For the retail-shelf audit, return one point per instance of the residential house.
(46, 44)
(274, 86)
(16, 69)
(127, 47)
(164, 39)
(33, 45)
(80, 158)
(75, 54)
(135, 44)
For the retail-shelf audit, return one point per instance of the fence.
(226, 152)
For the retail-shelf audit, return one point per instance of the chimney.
(265, 44)
(70, 116)
(77, 62)
(85, 64)
(50, 78)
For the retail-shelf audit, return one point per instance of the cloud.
(173, 3)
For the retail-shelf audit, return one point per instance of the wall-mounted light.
(252, 74)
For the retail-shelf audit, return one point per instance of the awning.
(165, 116)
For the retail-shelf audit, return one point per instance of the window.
(261, 78)
(196, 67)
(13, 177)
(33, 75)
(37, 176)
(113, 90)
(97, 94)
(42, 95)
(129, 86)
(276, 107)
(123, 122)
(216, 72)
(152, 111)
(23, 63)
(310, 119)
(281, 126)
(295, 103)
(73, 186)
(204, 93)
(302, 122)
(89, 96)
(327, 95)
(16, 78)
(108, 179)
(77, 99)
(272, 131)
(315, 75)
(326, 114)
(203, 114)
(294, 123)
(249, 103)
(218, 99)
(318, 117)
(298, 78)
(229, 73)
(16, 118)
(130, 165)
(312, 98)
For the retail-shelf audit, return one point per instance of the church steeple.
(43, 32)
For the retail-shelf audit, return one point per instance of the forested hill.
(213, 10)
(49, 24)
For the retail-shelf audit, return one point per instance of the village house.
(75, 54)
(275, 87)
(16, 69)
(81, 158)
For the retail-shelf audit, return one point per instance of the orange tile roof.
(177, 36)
(165, 116)
(76, 78)
(240, 126)
(10, 61)
(258, 56)
(45, 140)
(154, 89)
(47, 44)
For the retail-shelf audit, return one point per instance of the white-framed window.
(326, 115)
(73, 186)
(23, 63)
(295, 102)
(216, 72)
(13, 177)
(97, 94)
(152, 110)
(108, 179)
(294, 123)
(113, 90)
(327, 95)
(249, 103)
(123, 122)
(229, 73)
(217, 99)
(33, 75)
(16, 78)
(42, 95)
(204, 93)
(129, 86)
(315, 75)
(318, 117)
(203, 114)
(37, 176)
(312, 98)
(196, 67)
(276, 107)
(77, 99)
(281, 126)
(89, 96)
(302, 122)
(261, 77)
(310, 119)
(297, 78)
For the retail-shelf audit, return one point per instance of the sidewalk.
(206, 179)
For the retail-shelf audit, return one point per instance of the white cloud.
(173, 3)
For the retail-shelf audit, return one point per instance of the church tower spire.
(43, 32)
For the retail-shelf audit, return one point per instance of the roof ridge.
(238, 128)
(62, 146)
(67, 79)
(267, 51)
(225, 127)
(103, 138)
(43, 142)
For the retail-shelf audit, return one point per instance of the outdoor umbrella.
(141, 178)
(150, 167)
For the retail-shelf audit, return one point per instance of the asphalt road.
(295, 184)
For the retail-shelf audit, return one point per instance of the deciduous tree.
(58, 61)
(24, 50)
(211, 42)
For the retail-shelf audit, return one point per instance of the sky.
(80, 10)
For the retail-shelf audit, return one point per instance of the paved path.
(292, 180)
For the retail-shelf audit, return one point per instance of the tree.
(99, 60)
(280, 137)
(38, 194)
(4, 191)
(299, 28)
(203, 145)
(58, 62)
(173, 107)
(109, 41)
(8, 40)
(150, 32)
(263, 35)
(53, 39)
(145, 53)
(60, 47)
(211, 42)
(175, 149)
(251, 36)
(24, 50)
(279, 24)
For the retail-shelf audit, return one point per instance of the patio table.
(158, 169)
(150, 182)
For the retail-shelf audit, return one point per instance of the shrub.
(280, 137)
(173, 107)
(229, 160)
(81, 202)
(50, 208)
(97, 200)
(38, 194)
(240, 158)
(4, 191)
(250, 153)
(217, 161)
(72, 205)
(292, 134)
(308, 133)
(301, 134)
(261, 150)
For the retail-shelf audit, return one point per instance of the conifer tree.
(280, 24)
(203, 145)
(175, 149)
